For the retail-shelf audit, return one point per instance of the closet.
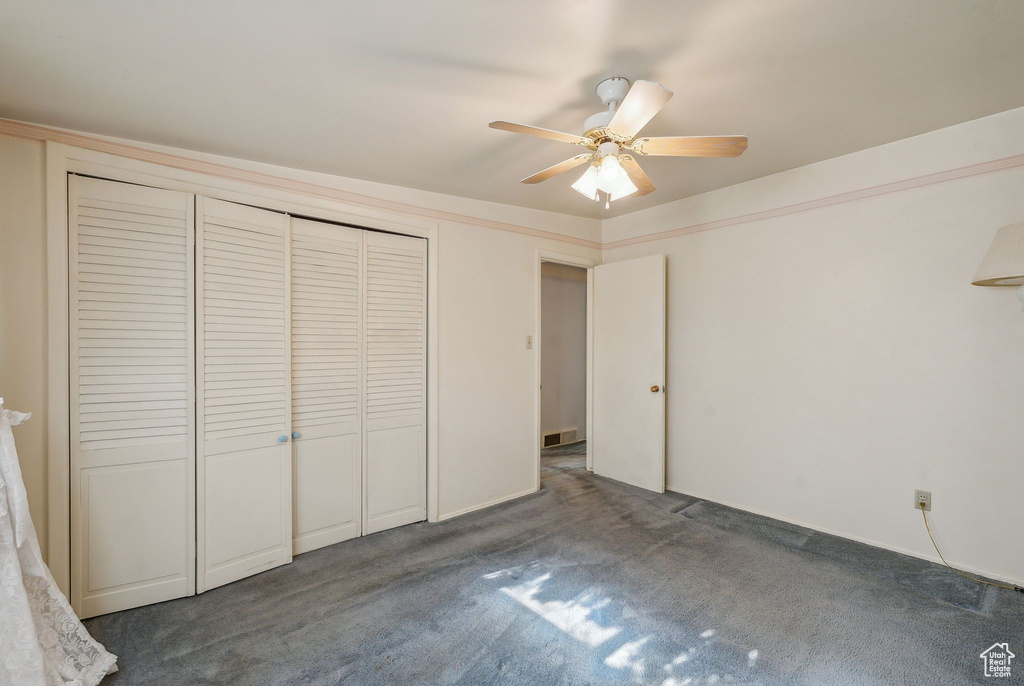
(245, 386)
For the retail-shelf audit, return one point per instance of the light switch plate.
(529, 342)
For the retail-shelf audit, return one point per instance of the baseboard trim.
(860, 539)
(562, 445)
(489, 503)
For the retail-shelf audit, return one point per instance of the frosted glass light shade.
(587, 184)
(592, 181)
(1004, 263)
(621, 188)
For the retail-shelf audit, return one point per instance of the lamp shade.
(1004, 263)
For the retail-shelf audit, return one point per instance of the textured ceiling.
(401, 91)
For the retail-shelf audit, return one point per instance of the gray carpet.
(587, 582)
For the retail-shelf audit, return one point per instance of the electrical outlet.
(923, 497)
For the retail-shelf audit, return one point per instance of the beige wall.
(23, 310)
(828, 362)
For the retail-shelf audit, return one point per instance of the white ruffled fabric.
(42, 641)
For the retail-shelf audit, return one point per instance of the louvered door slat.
(325, 279)
(394, 337)
(132, 425)
(244, 405)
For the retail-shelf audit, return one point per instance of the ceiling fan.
(610, 136)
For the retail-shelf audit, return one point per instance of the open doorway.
(563, 366)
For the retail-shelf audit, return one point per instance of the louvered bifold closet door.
(244, 462)
(131, 392)
(395, 468)
(326, 383)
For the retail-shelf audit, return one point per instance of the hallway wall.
(563, 398)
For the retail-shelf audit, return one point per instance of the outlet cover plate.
(923, 497)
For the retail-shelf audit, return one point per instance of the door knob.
(654, 389)
(283, 439)
(296, 435)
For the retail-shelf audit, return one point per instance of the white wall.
(486, 307)
(23, 311)
(563, 398)
(488, 433)
(830, 361)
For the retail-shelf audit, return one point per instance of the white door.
(326, 383)
(395, 462)
(132, 424)
(244, 468)
(629, 372)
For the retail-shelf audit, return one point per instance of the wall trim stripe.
(1002, 164)
(34, 132)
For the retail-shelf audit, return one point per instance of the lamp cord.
(963, 574)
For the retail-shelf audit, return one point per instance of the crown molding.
(35, 132)
(1002, 164)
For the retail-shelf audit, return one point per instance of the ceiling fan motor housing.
(597, 121)
(607, 148)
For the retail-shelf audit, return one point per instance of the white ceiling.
(400, 91)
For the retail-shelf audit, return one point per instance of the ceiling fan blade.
(541, 133)
(636, 175)
(644, 100)
(559, 168)
(692, 146)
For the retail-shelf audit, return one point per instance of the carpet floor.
(588, 581)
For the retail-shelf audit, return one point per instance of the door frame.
(305, 196)
(572, 261)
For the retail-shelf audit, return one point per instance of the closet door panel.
(326, 383)
(152, 492)
(327, 505)
(248, 519)
(244, 469)
(132, 423)
(395, 378)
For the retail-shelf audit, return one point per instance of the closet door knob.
(283, 439)
(296, 435)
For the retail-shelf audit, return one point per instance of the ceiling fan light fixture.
(622, 187)
(592, 183)
(612, 177)
(610, 170)
(586, 185)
